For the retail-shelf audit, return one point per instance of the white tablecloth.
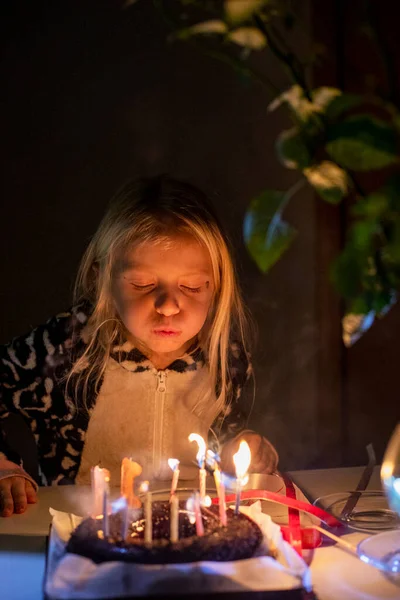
(336, 574)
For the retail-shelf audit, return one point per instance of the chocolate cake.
(240, 539)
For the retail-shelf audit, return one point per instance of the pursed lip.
(166, 331)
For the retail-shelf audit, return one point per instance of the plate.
(370, 513)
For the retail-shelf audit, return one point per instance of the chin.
(166, 345)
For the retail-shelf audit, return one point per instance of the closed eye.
(191, 289)
(142, 287)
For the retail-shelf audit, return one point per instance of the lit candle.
(106, 531)
(99, 478)
(241, 460)
(201, 459)
(148, 512)
(173, 464)
(174, 518)
(212, 460)
(221, 496)
(197, 514)
(129, 470)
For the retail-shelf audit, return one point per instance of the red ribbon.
(294, 529)
(321, 514)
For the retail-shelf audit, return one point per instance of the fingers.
(19, 494)
(30, 491)
(15, 494)
(6, 501)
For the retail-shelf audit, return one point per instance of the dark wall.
(94, 95)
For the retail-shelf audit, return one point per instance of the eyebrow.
(127, 266)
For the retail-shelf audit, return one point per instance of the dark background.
(93, 95)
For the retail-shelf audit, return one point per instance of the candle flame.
(119, 504)
(242, 460)
(190, 510)
(201, 454)
(173, 463)
(144, 487)
(207, 501)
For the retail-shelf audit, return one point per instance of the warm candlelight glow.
(144, 487)
(242, 460)
(201, 460)
(129, 470)
(201, 454)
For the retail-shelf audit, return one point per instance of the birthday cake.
(239, 539)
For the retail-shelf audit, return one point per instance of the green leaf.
(362, 143)
(373, 206)
(363, 234)
(346, 273)
(249, 37)
(238, 11)
(266, 236)
(328, 180)
(342, 103)
(292, 150)
(215, 26)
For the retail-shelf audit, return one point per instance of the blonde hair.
(149, 210)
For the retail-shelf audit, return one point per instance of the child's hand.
(264, 457)
(15, 492)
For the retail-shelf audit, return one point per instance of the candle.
(201, 459)
(121, 506)
(213, 460)
(221, 496)
(148, 512)
(197, 514)
(174, 518)
(173, 463)
(106, 531)
(241, 460)
(129, 470)
(100, 479)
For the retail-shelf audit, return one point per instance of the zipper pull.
(161, 381)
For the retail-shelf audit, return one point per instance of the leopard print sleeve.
(31, 370)
(233, 419)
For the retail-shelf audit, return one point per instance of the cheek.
(199, 309)
(128, 305)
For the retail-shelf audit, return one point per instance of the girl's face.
(162, 293)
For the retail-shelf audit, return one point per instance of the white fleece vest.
(148, 416)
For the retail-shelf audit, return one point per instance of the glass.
(383, 549)
(371, 512)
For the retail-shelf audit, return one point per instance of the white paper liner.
(72, 577)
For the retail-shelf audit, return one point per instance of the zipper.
(158, 420)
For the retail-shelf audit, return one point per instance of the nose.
(167, 304)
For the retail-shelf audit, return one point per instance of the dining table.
(336, 573)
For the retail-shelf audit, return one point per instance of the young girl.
(153, 350)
